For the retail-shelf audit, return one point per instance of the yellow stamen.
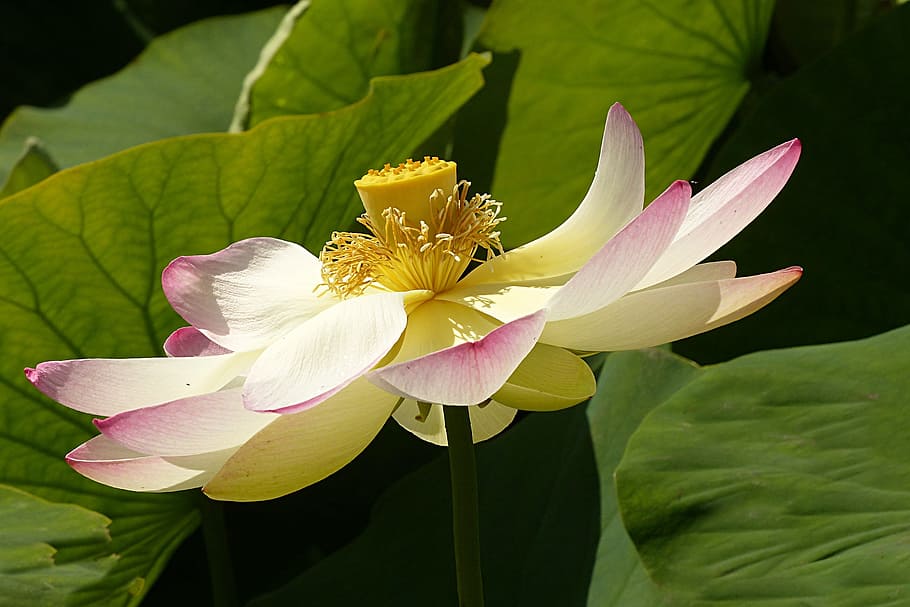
(401, 255)
(406, 187)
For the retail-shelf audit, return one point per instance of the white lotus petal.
(198, 424)
(660, 315)
(108, 386)
(548, 379)
(703, 272)
(468, 373)
(614, 198)
(625, 259)
(724, 208)
(109, 463)
(248, 295)
(503, 302)
(322, 356)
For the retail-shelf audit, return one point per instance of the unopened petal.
(199, 424)
(486, 421)
(724, 208)
(548, 379)
(625, 259)
(108, 386)
(664, 314)
(322, 356)
(614, 198)
(106, 462)
(300, 449)
(468, 373)
(248, 295)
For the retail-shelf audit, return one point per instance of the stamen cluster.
(401, 256)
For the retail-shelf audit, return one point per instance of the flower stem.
(465, 514)
(224, 589)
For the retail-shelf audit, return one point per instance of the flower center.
(424, 231)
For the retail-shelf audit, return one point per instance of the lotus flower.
(292, 363)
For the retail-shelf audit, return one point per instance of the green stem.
(224, 590)
(465, 514)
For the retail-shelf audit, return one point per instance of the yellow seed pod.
(406, 187)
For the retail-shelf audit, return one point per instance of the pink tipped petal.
(614, 198)
(486, 421)
(106, 386)
(199, 424)
(660, 315)
(548, 379)
(106, 462)
(248, 295)
(625, 259)
(322, 356)
(724, 208)
(188, 341)
(465, 374)
(298, 450)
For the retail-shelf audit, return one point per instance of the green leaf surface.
(680, 67)
(780, 479)
(844, 215)
(81, 255)
(184, 82)
(326, 51)
(630, 385)
(48, 549)
(539, 524)
(32, 166)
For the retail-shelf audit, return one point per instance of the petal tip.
(681, 186)
(619, 115)
(796, 272)
(172, 277)
(73, 458)
(788, 151)
(38, 377)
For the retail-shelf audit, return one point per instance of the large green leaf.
(325, 53)
(630, 385)
(539, 522)
(48, 549)
(779, 479)
(81, 254)
(844, 215)
(185, 82)
(680, 67)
